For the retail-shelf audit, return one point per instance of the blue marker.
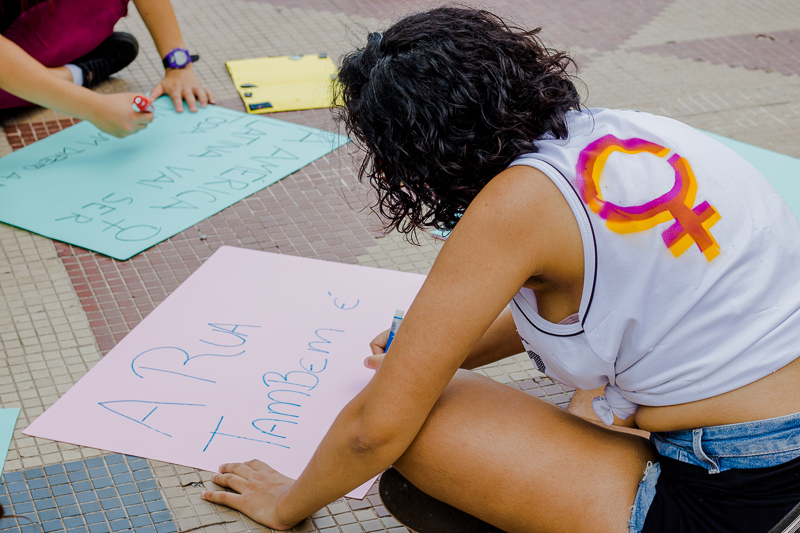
(398, 317)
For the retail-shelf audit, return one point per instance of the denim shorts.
(759, 444)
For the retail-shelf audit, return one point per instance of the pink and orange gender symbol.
(691, 225)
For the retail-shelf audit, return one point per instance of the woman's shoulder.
(524, 206)
(521, 187)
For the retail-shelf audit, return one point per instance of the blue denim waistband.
(757, 444)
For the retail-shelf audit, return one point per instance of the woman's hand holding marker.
(380, 344)
(64, 87)
(378, 347)
(114, 114)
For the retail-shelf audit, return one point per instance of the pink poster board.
(253, 356)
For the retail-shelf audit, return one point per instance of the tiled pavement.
(98, 495)
(727, 66)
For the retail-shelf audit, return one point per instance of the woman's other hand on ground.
(114, 114)
(259, 488)
(378, 347)
(180, 85)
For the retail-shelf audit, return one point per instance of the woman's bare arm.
(179, 84)
(501, 340)
(503, 239)
(23, 76)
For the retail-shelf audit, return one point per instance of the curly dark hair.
(442, 102)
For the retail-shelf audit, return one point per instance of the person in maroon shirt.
(52, 51)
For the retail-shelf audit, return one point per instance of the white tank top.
(692, 265)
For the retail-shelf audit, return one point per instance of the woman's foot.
(111, 56)
(422, 513)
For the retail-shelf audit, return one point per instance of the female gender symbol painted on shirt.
(691, 224)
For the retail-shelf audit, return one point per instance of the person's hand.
(378, 347)
(114, 114)
(180, 85)
(259, 488)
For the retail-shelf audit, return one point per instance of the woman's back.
(690, 254)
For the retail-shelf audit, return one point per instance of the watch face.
(180, 58)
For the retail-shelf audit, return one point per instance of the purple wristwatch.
(179, 58)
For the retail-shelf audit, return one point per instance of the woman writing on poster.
(632, 258)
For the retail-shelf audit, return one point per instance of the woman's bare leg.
(522, 464)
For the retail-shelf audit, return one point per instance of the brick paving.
(595, 24)
(727, 66)
(775, 51)
(21, 134)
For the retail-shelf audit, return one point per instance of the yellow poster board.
(284, 83)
